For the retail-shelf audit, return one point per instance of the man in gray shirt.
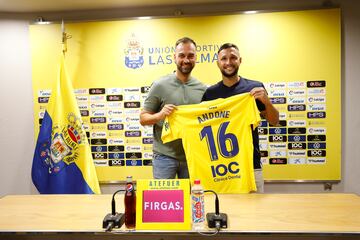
(179, 88)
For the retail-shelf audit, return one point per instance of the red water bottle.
(130, 203)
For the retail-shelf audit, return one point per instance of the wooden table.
(251, 216)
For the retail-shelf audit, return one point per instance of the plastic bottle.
(197, 206)
(130, 203)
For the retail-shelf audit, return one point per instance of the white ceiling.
(31, 6)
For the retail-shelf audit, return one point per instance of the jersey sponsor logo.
(116, 148)
(316, 153)
(316, 160)
(220, 170)
(115, 120)
(114, 141)
(114, 105)
(277, 93)
(317, 145)
(133, 155)
(297, 160)
(97, 105)
(130, 148)
(115, 126)
(131, 97)
(277, 138)
(277, 161)
(44, 93)
(297, 138)
(277, 100)
(277, 153)
(114, 91)
(297, 115)
(82, 98)
(147, 140)
(114, 112)
(116, 162)
(99, 141)
(296, 100)
(277, 85)
(263, 124)
(98, 135)
(80, 91)
(113, 98)
(98, 120)
(98, 148)
(316, 91)
(297, 130)
(148, 155)
(117, 155)
(262, 131)
(97, 98)
(145, 89)
(132, 126)
(318, 99)
(93, 91)
(297, 145)
(100, 163)
(295, 84)
(314, 84)
(318, 130)
(264, 153)
(282, 115)
(297, 123)
(297, 153)
(316, 114)
(263, 146)
(147, 162)
(277, 145)
(99, 155)
(263, 138)
(296, 92)
(84, 113)
(296, 107)
(311, 123)
(134, 162)
(277, 131)
(132, 133)
(132, 104)
(264, 160)
(317, 107)
(43, 99)
(316, 138)
(97, 113)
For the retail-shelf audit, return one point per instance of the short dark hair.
(226, 46)
(185, 40)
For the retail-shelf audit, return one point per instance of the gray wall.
(16, 106)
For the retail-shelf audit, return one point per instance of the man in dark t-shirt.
(228, 62)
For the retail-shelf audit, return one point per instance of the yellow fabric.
(217, 135)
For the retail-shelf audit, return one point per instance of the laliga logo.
(134, 53)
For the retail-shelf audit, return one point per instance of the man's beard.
(185, 69)
(232, 74)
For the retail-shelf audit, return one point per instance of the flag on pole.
(62, 161)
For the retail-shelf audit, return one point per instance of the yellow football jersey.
(217, 139)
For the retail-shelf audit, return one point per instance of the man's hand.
(166, 111)
(260, 94)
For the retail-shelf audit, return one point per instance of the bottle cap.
(197, 181)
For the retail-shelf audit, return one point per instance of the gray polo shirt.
(170, 90)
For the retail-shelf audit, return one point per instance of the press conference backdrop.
(113, 63)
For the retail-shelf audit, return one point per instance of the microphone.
(216, 220)
(113, 219)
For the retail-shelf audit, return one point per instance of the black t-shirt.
(220, 90)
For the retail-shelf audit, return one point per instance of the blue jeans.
(165, 167)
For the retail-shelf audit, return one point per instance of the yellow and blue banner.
(62, 161)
